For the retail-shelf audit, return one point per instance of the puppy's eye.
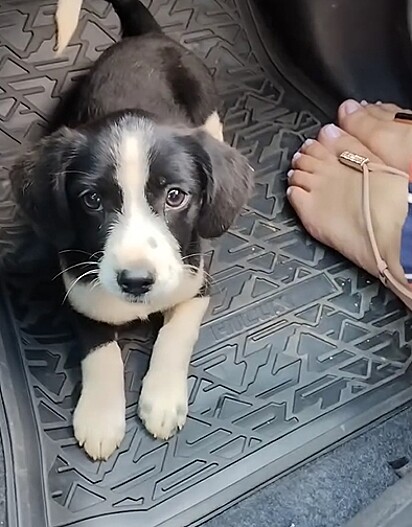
(176, 198)
(92, 200)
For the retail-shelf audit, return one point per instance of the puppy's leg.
(99, 420)
(163, 401)
(213, 126)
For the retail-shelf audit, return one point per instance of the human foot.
(374, 126)
(327, 196)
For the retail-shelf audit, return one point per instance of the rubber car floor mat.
(299, 349)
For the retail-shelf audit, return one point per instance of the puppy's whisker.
(210, 279)
(73, 267)
(94, 283)
(82, 252)
(80, 172)
(191, 256)
(87, 273)
(74, 251)
(196, 269)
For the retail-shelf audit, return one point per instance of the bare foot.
(327, 196)
(374, 126)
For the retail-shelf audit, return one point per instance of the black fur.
(227, 180)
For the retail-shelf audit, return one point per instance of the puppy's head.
(125, 201)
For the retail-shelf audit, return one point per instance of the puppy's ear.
(228, 184)
(38, 180)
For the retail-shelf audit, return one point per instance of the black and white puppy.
(125, 191)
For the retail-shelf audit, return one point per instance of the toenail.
(378, 103)
(296, 156)
(364, 103)
(290, 173)
(351, 106)
(289, 191)
(308, 142)
(331, 131)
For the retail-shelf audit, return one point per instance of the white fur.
(213, 126)
(163, 401)
(67, 18)
(99, 420)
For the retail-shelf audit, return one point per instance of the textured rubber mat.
(299, 349)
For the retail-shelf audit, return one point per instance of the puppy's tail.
(134, 17)
(67, 17)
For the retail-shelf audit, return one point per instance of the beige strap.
(363, 165)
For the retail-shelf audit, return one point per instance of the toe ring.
(353, 160)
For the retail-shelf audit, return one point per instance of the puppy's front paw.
(100, 423)
(163, 403)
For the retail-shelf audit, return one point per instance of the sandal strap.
(362, 164)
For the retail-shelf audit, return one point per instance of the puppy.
(125, 191)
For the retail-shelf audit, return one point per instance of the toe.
(301, 179)
(313, 148)
(393, 108)
(356, 120)
(382, 112)
(378, 109)
(305, 162)
(298, 198)
(301, 201)
(337, 141)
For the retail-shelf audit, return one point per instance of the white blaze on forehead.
(133, 167)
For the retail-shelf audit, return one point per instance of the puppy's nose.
(137, 281)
